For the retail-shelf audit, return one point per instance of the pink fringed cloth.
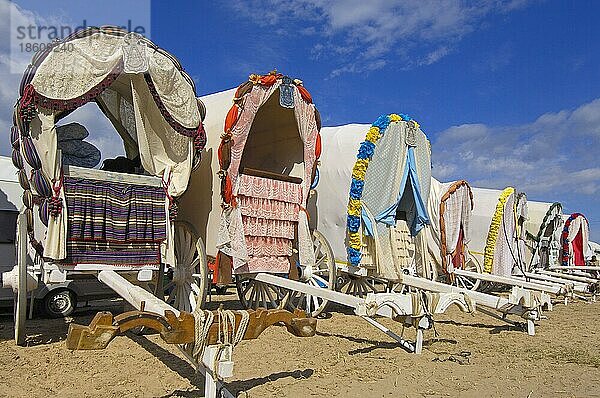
(270, 215)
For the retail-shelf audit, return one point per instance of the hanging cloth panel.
(113, 223)
(505, 249)
(420, 217)
(161, 148)
(578, 257)
(270, 211)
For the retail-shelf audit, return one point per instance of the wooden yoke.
(180, 330)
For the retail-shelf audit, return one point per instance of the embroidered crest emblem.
(134, 54)
(286, 93)
(411, 134)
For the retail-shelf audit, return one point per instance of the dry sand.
(473, 356)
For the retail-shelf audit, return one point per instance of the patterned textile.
(267, 208)
(261, 246)
(266, 264)
(114, 223)
(505, 248)
(265, 188)
(272, 227)
(270, 211)
(128, 254)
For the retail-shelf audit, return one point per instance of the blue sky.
(508, 91)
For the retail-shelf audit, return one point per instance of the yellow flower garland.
(490, 244)
(360, 169)
(354, 240)
(373, 135)
(358, 173)
(354, 207)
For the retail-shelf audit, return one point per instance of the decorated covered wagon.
(249, 195)
(449, 235)
(121, 217)
(575, 240)
(371, 200)
(543, 230)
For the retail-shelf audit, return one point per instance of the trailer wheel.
(322, 274)
(185, 285)
(59, 303)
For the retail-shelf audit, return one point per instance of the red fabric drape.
(578, 258)
(458, 257)
(318, 146)
(305, 94)
(268, 80)
(231, 118)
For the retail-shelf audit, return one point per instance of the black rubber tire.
(59, 303)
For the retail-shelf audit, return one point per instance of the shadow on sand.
(187, 371)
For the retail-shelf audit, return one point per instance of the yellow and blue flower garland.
(494, 231)
(364, 156)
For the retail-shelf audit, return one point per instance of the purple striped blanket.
(114, 223)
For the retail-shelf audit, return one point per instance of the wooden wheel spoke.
(323, 281)
(319, 263)
(246, 288)
(272, 299)
(316, 302)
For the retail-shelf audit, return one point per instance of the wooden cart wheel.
(358, 286)
(466, 282)
(322, 274)
(185, 285)
(254, 294)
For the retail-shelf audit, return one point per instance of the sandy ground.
(472, 356)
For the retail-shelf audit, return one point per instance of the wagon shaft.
(180, 330)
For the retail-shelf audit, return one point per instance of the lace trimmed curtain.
(505, 249)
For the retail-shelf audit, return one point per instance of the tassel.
(41, 184)
(43, 212)
(17, 159)
(231, 118)
(305, 94)
(23, 180)
(28, 199)
(14, 137)
(55, 206)
(31, 155)
(200, 138)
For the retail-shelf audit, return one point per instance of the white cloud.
(102, 134)
(414, 32)
(557, 152)
(10, 13)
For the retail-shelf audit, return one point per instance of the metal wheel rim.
(60, 303)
